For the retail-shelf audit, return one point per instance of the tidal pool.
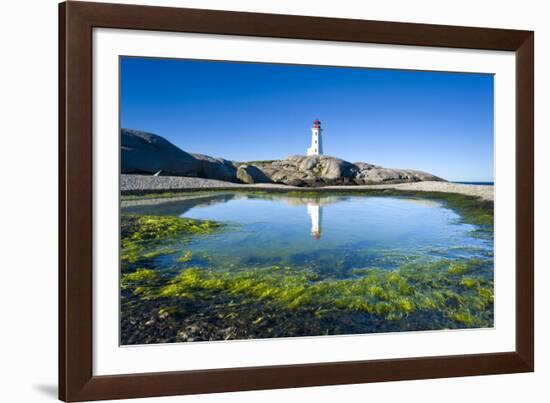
(234, 265)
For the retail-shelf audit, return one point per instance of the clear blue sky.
(437, 122)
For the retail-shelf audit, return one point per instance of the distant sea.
(476, 183)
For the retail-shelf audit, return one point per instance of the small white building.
(316, 140)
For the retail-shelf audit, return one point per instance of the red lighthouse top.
(316, 123)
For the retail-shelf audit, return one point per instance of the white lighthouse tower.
(316, 140)
(315, 211)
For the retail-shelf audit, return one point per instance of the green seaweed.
(159, 252)
(185, 257)
(259, 162)
(145, 237)
(459, 292)
(457, 268)
(160, 195)
(173, 311)
(147, 227)
(392, 295)
(139, 276)
(142, 282)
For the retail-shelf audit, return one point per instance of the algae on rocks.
(146, 236)
(458, 291)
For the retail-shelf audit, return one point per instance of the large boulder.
(251, 174)
(215, 168)
(376, 175)
(336, 169)
(313, 170)
(147, 153)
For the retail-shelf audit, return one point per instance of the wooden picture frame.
(76, 22)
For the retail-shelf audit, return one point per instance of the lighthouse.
(316, 140)
(315, 211)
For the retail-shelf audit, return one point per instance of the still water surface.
(325, 233)
(285, 266)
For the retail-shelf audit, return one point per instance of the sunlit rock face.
(299, 170)
(150, 154)
(147, 153)
(252, 174)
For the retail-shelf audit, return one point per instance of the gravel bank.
(482, 191)
(135, 184)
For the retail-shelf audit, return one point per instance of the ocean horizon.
(474, 183)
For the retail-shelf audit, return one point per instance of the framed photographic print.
(253, 201)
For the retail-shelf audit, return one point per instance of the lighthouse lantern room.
(316, 140)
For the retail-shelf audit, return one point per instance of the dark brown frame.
(76, 22)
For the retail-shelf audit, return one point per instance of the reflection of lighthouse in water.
(315, 211)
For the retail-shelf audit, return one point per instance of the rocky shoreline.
(149, 154)
(142, 184)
